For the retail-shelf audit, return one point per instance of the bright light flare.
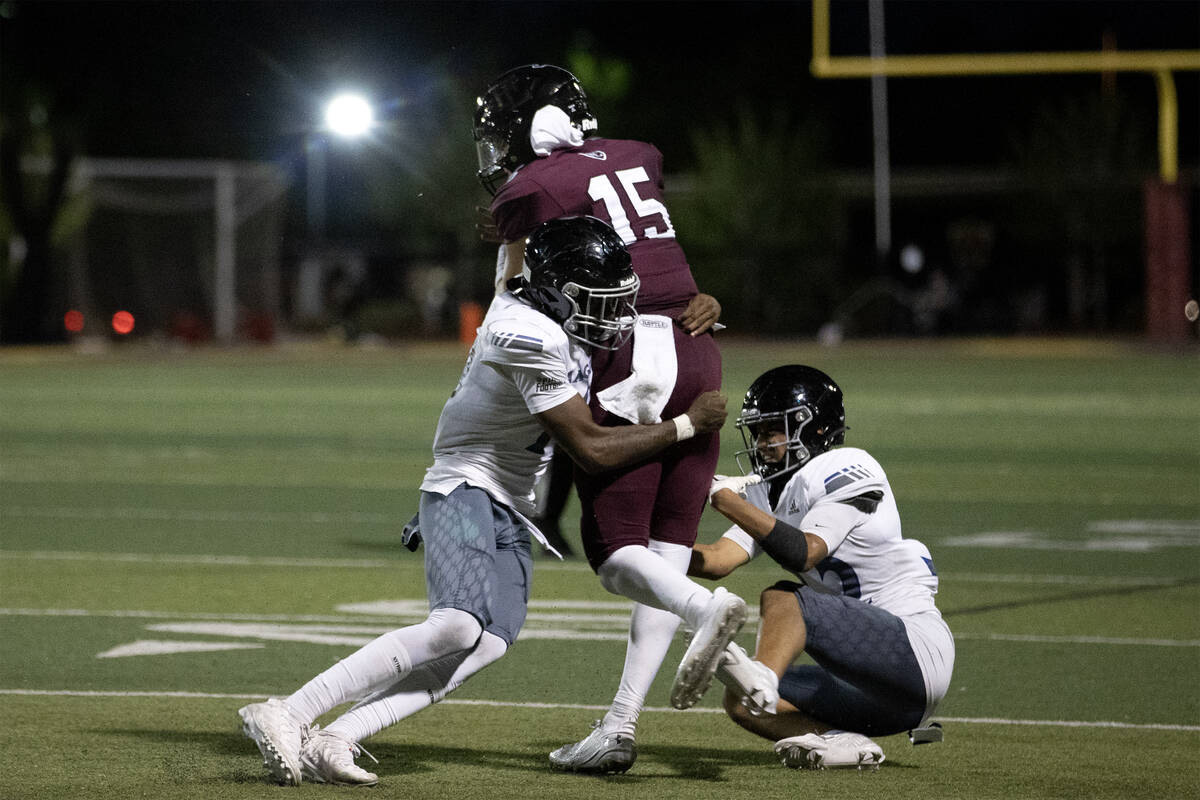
(349, 115)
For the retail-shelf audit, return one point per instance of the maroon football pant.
(663, 497)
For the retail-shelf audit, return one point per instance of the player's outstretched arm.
(596, 448)
(789, 546)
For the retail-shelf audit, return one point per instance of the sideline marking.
(1061, 723)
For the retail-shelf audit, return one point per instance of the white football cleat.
(328, 758)
(599, 753)
(829, 750)
(723, 618)
(278, 736)
(755, 681)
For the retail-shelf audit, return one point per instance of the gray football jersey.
(521, 364)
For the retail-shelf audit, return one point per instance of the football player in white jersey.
(863, 605)
(526, 380)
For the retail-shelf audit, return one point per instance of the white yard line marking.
(157, 647)
(1071, 580)
(606, 620)
(392, 608)
(82, 475)
(82, 612)
(1065, 723)
(201, 515)
(253, 561)
(1148, 542)
(1113, 640)
(311, 627)
(542, 563)
(199, 560)
(582, 707)
(352, 635)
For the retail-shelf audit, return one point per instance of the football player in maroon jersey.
(540, 157)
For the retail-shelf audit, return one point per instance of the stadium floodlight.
(349, 115)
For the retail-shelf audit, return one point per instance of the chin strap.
(546, 299)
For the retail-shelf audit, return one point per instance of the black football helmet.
(580, 265)
(504, 112)
(801, 401)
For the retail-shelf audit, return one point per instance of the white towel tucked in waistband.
(642, 396)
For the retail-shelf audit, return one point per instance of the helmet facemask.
(603, 318)
(504, 113)
(492, 149)
(754, 458)
(579, 273)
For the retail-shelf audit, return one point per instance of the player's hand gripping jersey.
(520, 365)
(619, 181)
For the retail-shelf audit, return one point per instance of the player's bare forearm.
(515, 259)
(597, 448)
(759, 524)
(715, 561)
(607, 449)
(740, 511)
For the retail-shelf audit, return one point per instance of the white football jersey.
(522, 363)
(868, 557)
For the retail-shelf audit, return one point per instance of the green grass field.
(251, 500)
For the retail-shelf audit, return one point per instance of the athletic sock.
(423, 687)
(650, 633)
(384, 661)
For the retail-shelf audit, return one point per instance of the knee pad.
(678, 556)
(613, 573)
(451, 630)
(489, 649)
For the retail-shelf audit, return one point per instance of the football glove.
(736, 484)
(410, 537)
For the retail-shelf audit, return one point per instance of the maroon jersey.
(621, 182)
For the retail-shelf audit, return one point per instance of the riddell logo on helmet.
(589, 124)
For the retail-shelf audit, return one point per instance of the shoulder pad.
(847, 473)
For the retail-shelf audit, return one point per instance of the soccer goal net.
(191, 249)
